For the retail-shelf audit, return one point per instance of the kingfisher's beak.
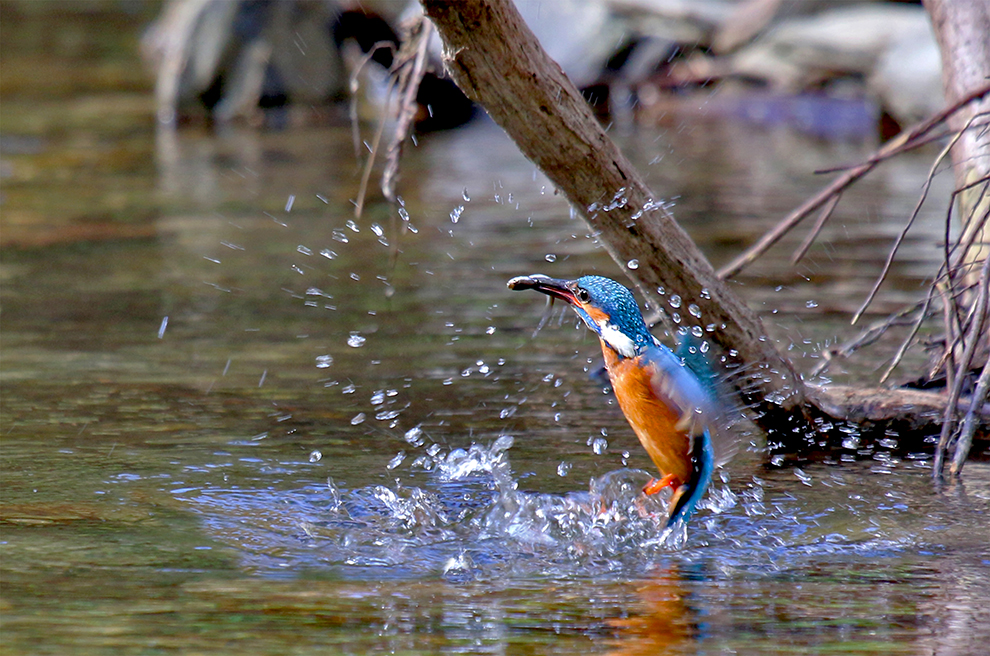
(552, 287)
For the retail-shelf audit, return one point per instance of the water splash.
(467, 518)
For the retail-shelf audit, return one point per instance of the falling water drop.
(550, 257)
(356, 341)
(414, 436)
(323, 361)
(633, 264)
(315, 456)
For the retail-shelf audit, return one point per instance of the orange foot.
(657, 484)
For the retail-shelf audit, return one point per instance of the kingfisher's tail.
(686, 498)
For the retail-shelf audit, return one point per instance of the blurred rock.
(888, 44)
(908, 76)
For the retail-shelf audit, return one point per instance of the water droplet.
(378, 230)
(315, 456)
(349, 389)
(302, 249)
(490, 330)
(378, 397)
(661, 291)
(414, 436)
(288, 203)
(352, 225)
(564, 468)
(329, 254)
(464, 195)
(633, 264)
(356, 341)
(599, 445)
(357, 419)
(297, 269)
(334, 494)
(675, 301)
(811, 304)
(339, 236)
(507, 412)
(503, 443)
(705, 293)
(396, 461)
(323, 361)
(460, 563)
(697, 331)
(694, 311)
(550, 257)
(455, 214)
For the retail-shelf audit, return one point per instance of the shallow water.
(233, 421)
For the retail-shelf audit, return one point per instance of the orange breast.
(653, 421)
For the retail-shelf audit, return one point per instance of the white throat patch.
(616, 339)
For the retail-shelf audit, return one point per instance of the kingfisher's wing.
(692, 393)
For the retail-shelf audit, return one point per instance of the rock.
(848, 41)
(907, 79)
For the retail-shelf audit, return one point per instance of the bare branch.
(411, 65)
(900, 237)
(904, 141)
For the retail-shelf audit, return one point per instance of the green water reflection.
(170, 415)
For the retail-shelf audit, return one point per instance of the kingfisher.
(669, 405)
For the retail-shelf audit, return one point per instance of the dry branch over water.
(495, 59)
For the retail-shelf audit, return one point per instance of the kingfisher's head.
(606, 307)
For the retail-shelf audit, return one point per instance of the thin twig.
(369, 165)
(969, 423)
(903, 141)
(415, 47)
(869, 336)
(975, 332)
(822, 218)
(900, 237)
(353, 86)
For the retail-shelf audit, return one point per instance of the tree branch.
(498, 62)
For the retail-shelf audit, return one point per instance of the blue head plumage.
(618, 305)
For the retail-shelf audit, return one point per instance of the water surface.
(236, 418)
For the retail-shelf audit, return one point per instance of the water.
(179, 341)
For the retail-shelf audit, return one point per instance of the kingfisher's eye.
(583, 295)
